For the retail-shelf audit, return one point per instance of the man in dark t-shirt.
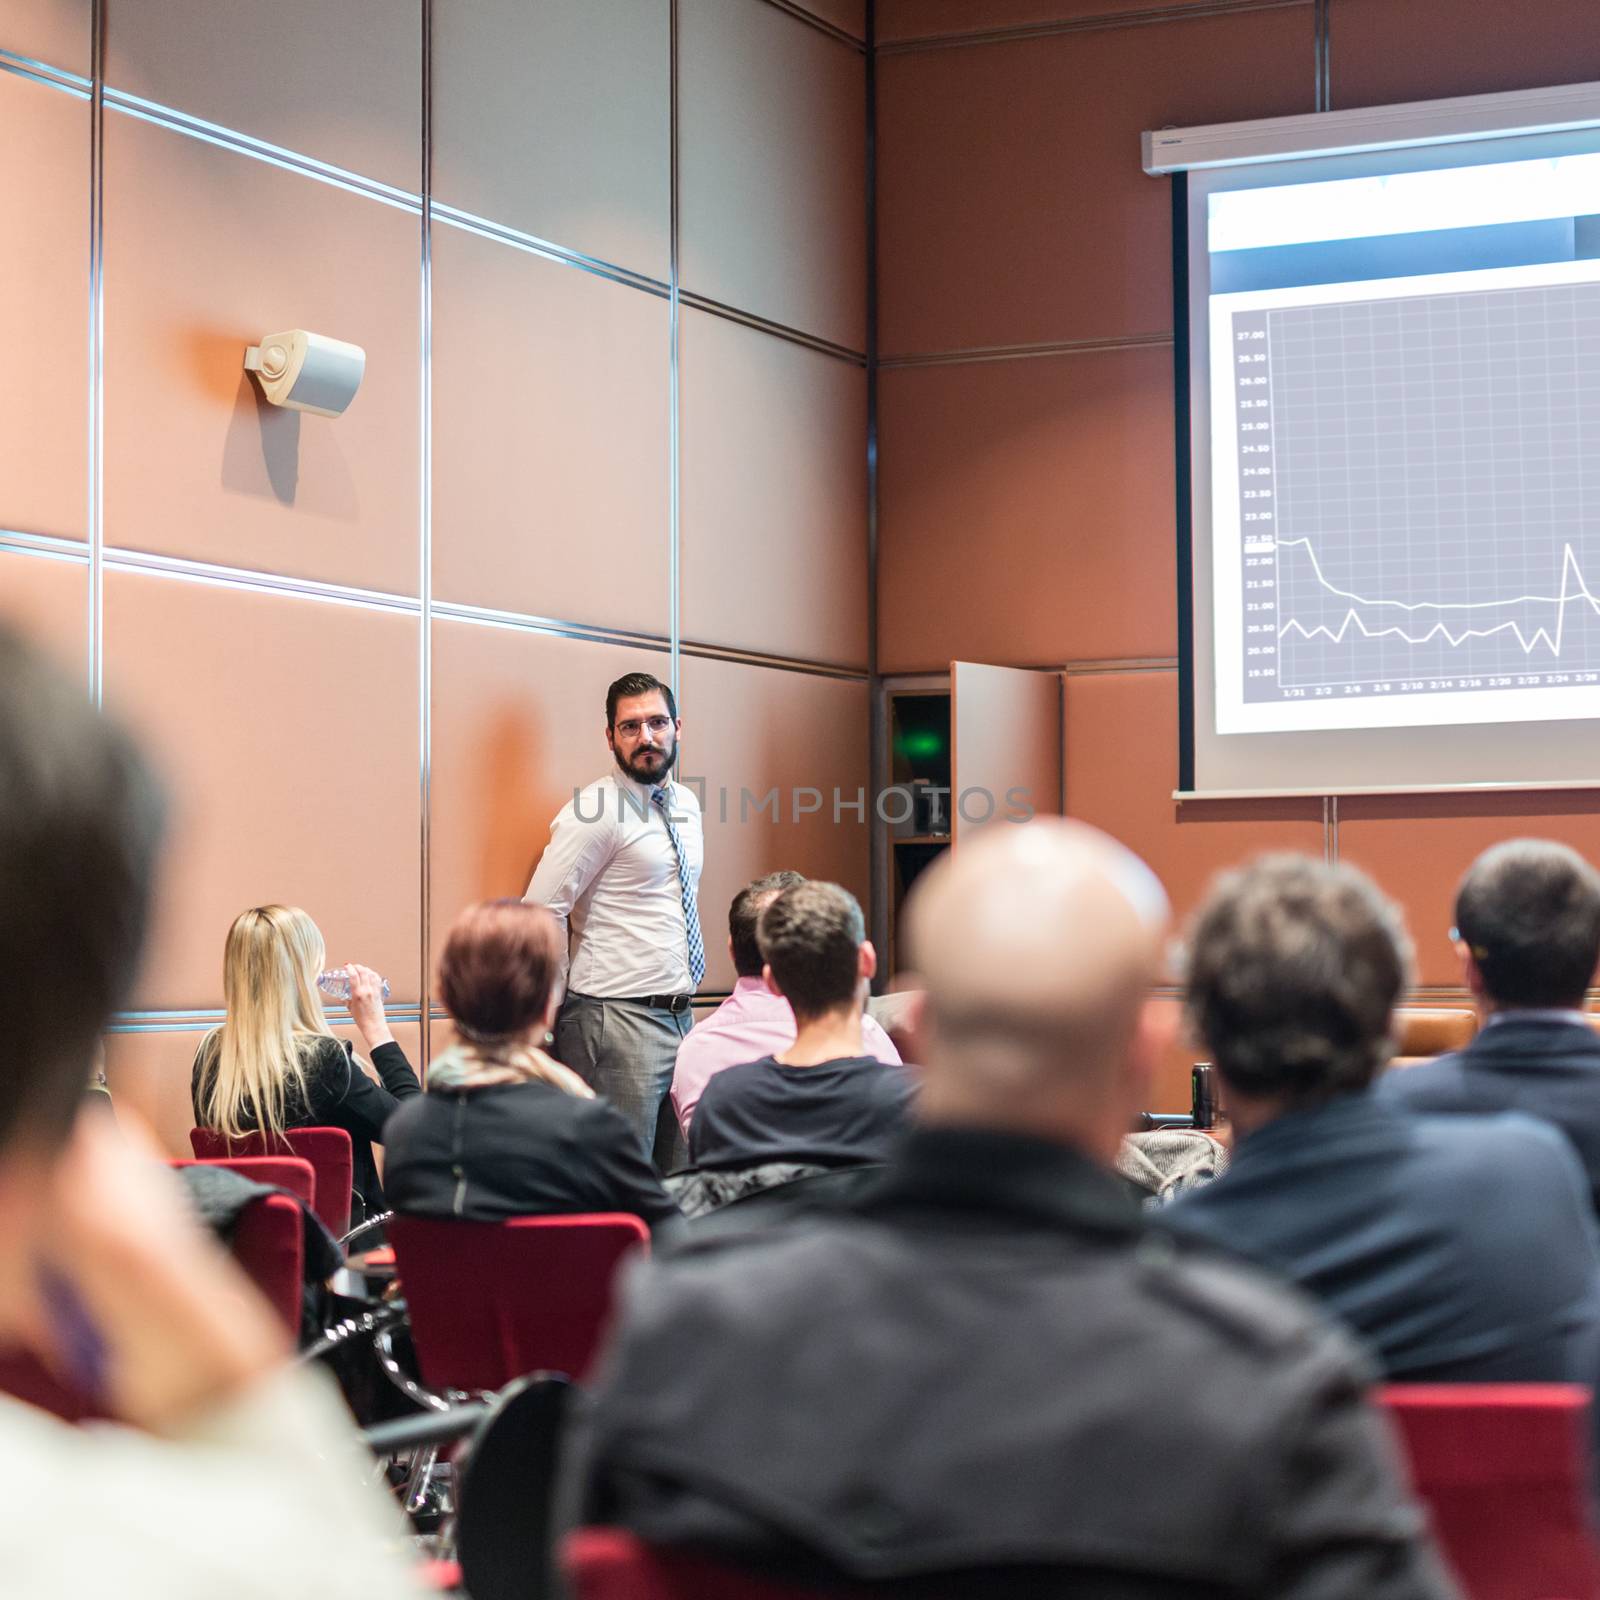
(824, 1099)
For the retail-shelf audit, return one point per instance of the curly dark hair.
(1294, 968)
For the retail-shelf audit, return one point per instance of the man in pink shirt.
(752, 1022)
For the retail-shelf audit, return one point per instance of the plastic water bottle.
(336, 985)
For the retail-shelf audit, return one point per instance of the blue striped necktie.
(691, 912)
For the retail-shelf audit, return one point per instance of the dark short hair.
(80, 824)
(811, 937)
(1529, 910)
(745, 913)
(498, 968)
(634, 683)
(1294, 968)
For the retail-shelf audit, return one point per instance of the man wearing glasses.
(622, 872)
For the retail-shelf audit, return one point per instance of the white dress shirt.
(610, 876)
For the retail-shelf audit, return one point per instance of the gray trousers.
(626, 1052)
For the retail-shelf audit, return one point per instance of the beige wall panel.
(900, 20)
(1011, 204)
(1429, 49)
(757, 729)
(772, 167)
(551, 442)
(149, 1075)
(1026, 511)
(518, 724)
(342, 83)
(1005, 737)
(287, 732)
(774, 512)
(555, 119)
(55, 32)
(206, 251)
(1122, 766)
(47, 597)
(44, 309)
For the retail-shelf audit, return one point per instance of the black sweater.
(340, 1095)
(518, 1150)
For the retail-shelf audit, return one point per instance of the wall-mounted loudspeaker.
(307, 371)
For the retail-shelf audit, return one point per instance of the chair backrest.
(292, 1173)
(493, 1301)
(329, 1151)
(1422, 1032)
(269, 1242)
(612, 1564)
(1504, 1470)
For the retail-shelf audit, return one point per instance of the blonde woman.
(504, 1130)
(275, 1063)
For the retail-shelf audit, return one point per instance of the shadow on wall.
(518, 803)
(263, 451)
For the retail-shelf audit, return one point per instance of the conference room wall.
(1025, 421)
(262, 593)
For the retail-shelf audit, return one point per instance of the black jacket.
(340, 1095)
(989, 1370)
(1546, 1068)
(518, 1150)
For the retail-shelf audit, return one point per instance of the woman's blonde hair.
(253, 1066)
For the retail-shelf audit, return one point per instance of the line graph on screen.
(1419, 492)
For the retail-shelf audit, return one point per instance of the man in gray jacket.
(988, 1379)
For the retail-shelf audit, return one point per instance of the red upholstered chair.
(327, 1149)
(269, 1242)
(279, 1172)
(1504, 1470)
(493, 1301)
(611, 1564)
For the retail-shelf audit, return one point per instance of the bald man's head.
(1036, 946)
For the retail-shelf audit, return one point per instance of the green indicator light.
(923, 743)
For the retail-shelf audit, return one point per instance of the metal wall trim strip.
(130, 105)
(425, 540)
(778, 330)
(1089, 669)
(1028, 352)
(190, 571)
(812, 20)
(1319, 58)
(97, 323)
(674, 372)
(196, 1021)
(20, 66)
(482, 616)
(755, 658)
(1110, 19)
(531, 244)
(45, 544)
(879, 888)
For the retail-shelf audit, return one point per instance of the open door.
(1005, 744)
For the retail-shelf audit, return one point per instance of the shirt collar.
(1032, 1180)
(744, 988)
(1537, 1014)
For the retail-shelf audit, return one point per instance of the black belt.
(675, 1003)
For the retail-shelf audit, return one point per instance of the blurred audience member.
(231, 1474)
(1528, 935)
(1458, 1249)
(753, 1021)
(275, 1063)
(823, 1099)
(505, 1130)
(988, 1373)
